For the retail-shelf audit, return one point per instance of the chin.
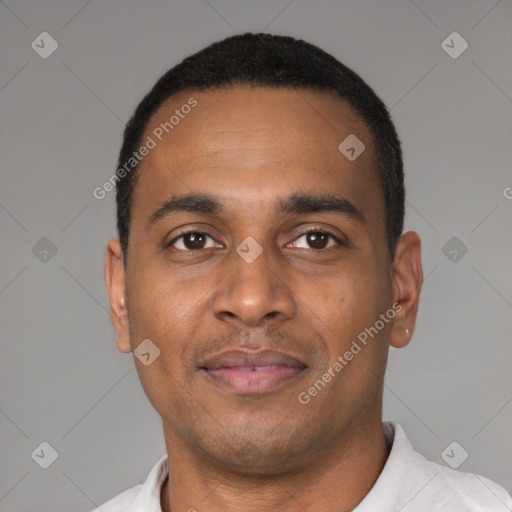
(261, 453)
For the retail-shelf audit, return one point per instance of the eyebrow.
(295, 204)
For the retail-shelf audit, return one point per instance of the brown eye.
(192, 241)
(315, 239)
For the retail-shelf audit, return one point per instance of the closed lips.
(243, 359)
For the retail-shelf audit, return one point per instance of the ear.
(115, 281)
(407, 281)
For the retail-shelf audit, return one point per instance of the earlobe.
(400, 336)
(115, 281)
(123, 339)
(407, 280)
(123, 345)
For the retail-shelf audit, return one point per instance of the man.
(260, 276)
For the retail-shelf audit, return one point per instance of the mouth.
(251, 373)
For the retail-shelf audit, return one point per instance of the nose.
(254, 292)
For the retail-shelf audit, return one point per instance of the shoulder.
(414, 483)
(121, 502)
(469, 491)
(141, 497)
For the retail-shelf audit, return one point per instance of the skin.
(249, 147)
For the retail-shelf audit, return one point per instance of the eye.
(316, 239)
(192, 241)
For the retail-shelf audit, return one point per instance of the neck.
(338, 478)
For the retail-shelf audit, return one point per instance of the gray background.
(61, 378)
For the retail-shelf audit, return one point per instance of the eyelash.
(301, 234)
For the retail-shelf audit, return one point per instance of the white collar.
(408, 482)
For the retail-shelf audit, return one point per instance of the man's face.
(306, 296)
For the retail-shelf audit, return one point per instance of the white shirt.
(407, 483)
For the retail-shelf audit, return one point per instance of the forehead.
(252, 143)
(309, 118)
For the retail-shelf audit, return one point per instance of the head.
(246, 225)
(275, 62)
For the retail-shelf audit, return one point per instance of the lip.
(252, 372)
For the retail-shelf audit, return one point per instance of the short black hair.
(269, 61)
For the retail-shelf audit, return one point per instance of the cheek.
(159, 299)
(167, 312)
(346, 304)
(341, 295)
